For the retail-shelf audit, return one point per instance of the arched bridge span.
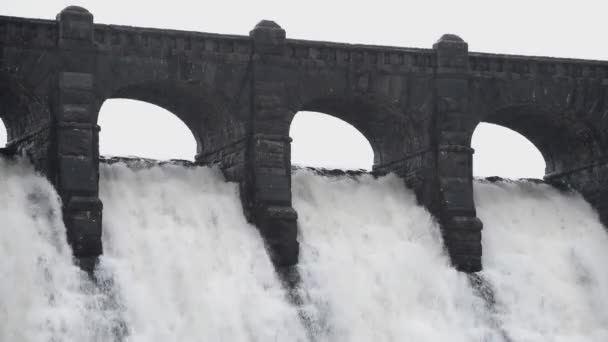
(238, 94)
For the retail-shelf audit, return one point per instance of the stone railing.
(530, 65)
(347, 54)
(127, 39)
(28, 32)
(38, 33)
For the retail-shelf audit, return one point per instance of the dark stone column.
(269, 166)
(75, 152)
(455, 124)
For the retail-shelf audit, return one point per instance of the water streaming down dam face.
(373, 267)
(181, 263)
(43, 296)
(545, 256)
(184, 265)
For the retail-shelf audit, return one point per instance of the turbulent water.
(43, 296)
(373, 266)
(545, 255)
(182, 264)
(186, 264)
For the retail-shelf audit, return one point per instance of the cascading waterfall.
(182, 264)
(43, 296)
(373, 267)
(186, 264)
(545, 255)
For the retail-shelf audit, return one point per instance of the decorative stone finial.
(452, 52)
(77, 9)
(268, 37)
(450, 41)
(268, 24)
(74, 11)
(75, 23)
(452, 38)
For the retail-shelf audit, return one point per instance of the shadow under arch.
(564, 142)
(25, 115)
(213, 119)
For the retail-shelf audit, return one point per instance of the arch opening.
(3, 134)
(502, 152)
(322, 140)
(137, 128)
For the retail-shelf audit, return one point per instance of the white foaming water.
(186, 265)
(545, 255)
(43, 296)
(373, 267)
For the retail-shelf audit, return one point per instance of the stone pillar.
(268, 183)
(75, 152)
(455, 207)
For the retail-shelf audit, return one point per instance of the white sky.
(532, 27)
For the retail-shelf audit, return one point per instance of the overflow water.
(186, 264)
(43, 296)
(373, 266)
(182, 264)
(545, 255)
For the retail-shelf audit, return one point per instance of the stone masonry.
(238, 95)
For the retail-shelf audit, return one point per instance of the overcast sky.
(541, 27)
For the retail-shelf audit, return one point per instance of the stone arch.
(3, 136)
(163, 136)
(339, 144)
(563, 118)
(27, 118)
(392, 133)
(21, 110)
(214, 122)
(348, 111)
(502, 152)
(564, 141)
